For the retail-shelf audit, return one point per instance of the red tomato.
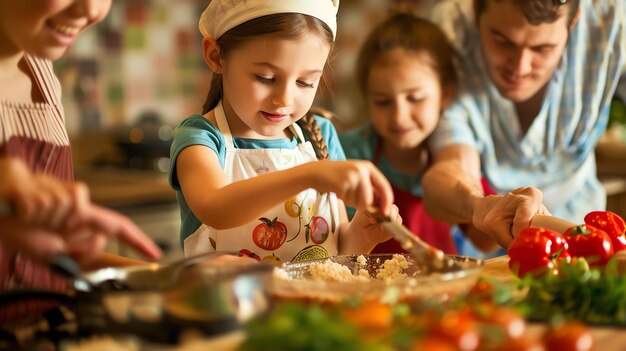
(483, 291)
(509, 321)
(269, 235)
(612, 224)
(434, 343)
(524, 343)
(591, 243)
(534, 250)
(571, 336)
(318, 230)
(460, 328)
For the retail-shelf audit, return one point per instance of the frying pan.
(206, 296)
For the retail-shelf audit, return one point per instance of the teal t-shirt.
(197, 130)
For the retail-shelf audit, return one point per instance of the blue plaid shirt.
(556, 154)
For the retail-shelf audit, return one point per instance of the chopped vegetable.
(305, 328)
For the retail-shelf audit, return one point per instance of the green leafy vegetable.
(596, 296)
(305, 328)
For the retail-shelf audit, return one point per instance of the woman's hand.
(360, 184)
(51, 217)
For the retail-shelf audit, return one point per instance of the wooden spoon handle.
(550, 222)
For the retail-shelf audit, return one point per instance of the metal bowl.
(293, 281)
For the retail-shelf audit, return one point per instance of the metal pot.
(211, 297)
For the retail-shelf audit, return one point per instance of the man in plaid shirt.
(536, 81)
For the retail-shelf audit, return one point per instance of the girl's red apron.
(411, 209)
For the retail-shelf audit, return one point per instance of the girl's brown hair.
(414, 34)
(284, 26)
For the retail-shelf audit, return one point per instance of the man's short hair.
(537, 11)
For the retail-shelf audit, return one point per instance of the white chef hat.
(223, 15)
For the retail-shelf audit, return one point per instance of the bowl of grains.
(385, 277)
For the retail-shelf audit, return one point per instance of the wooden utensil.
(556, 224)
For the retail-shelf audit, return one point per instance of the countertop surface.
(116, 188)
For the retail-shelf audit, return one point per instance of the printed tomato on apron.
(301, 228)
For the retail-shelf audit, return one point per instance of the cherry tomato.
(460, 327)
(524, 343)
(481, 291)
(434, 343)
(571, 336)
(370, 314)
(509, 321)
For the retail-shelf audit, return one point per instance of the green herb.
(305, 328)
(595, 296)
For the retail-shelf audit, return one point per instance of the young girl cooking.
(247, 175)
(406, 76)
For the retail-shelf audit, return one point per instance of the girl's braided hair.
(314, 133)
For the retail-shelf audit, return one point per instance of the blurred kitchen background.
(128, 81)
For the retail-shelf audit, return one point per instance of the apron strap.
(222, 124)
(297, 131)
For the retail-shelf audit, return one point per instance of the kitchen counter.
(143, 196)
(120, 188)
(605, 338)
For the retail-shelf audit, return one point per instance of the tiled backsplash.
(145, 58)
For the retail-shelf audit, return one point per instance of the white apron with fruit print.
(304, 227)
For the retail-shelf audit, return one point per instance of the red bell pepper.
(589, 242)
(612, 224)
(535, 251)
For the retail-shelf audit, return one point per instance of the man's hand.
(502, 217)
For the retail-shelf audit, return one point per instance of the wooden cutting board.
(498, 267)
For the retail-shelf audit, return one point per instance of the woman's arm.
(50, 217)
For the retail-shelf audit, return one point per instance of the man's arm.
(452, 184)
(452, 192)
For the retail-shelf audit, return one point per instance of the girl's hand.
(368, 230)
(358, 183)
